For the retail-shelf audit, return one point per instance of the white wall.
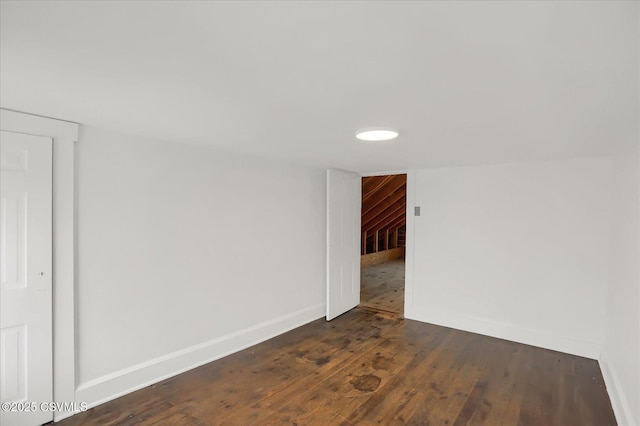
(187, 254)
(517, 251)
(620, 359)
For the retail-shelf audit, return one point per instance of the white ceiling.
(464, 82)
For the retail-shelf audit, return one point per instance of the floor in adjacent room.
(368, 367)
(382, 286)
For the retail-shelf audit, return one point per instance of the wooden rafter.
(383, 191)
(368, 221)
(396, 223)
(372, 184)
(388, 218)
(398, 195)
(383, 210)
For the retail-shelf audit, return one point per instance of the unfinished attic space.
(384, 205)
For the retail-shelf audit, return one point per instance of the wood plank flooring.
(370, 368)
(382, 286)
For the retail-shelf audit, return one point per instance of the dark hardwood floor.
(373, 368)
(382, 286)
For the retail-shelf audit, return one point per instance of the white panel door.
(26, 372)
(343, 242)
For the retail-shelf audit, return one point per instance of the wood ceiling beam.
(383, 221)
(402, 220)
(367, 223)
(389, 187)
(399, 195)
(371, 184)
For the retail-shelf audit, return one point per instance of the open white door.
(343, 242)
(26, 360)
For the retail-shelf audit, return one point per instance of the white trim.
(64, 135)
(503, 330)
(114, 385)
(393, 172)
(327, 255)
(38, 115)
(619, 401)
(409, 242)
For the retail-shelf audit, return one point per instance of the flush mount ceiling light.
(377, 134)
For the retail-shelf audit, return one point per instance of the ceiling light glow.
(377, 135)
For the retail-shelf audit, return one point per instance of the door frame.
(64, 135)
(409, 235)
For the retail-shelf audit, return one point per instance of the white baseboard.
(504, 331)
(619, 401)
(114, 385)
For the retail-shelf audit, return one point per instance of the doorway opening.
(383, 237)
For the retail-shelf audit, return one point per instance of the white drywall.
(186, 254)
(516, 251)
(620, 359)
